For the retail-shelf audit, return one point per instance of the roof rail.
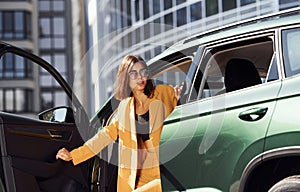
(243, 22)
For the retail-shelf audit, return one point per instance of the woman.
(138, 126)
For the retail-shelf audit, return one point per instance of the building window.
(15, 25)
(287, 1)
(146, 10)
(181, 17)
(285, 4)
(52, 33)
(51, 5)
(211, 7)
(180, 1)
(15, 67)
(246, 2)
(168, 21)
(229, 4)
(16, 100)
(137, 10)
(58, 61)
(126, 13)
(156, 6)
(196, 11)
(167, 4)
(53, 99)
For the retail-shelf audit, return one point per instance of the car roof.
(283, 18)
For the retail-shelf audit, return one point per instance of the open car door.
(29, 144)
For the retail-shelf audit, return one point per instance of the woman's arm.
(92, 147)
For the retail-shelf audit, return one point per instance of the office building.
(45, 28)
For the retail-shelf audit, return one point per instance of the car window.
(173, 73)
(172, 76)
(273, 70)
(290, 46)
(236, 66)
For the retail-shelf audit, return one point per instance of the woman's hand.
(64, 154)
(177, 91)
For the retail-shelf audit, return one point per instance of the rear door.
(29, 145)
(208, 141)
(286, 119)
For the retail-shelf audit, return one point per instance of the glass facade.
(148, 27)
(135, 17)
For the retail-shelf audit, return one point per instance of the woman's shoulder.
(164, 93)
(164, 88)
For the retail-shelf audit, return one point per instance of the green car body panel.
(215, 136)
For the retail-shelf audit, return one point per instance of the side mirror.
(58, 114)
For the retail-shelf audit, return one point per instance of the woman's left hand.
(177, 91)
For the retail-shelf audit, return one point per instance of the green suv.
(236, 127)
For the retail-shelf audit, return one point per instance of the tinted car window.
(273, 70)
(236, 66)
(291, 56)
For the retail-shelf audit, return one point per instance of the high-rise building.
(17, 20)
(147, 27)
(55, 46)
(43, 27)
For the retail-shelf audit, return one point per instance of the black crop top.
(142, 126)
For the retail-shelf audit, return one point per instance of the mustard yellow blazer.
(161, 105)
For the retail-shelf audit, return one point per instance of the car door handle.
(55, 134)
(42, 133)
(61, 135)
(253, 114)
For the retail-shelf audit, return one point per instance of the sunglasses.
(134, 73)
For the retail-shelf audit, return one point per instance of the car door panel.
(30, 150)
(206, 134)
(288, 106)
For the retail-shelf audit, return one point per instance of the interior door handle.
(55, 134)
(61, 135)
(253, 114)
(42, 133)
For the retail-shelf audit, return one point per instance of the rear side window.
(237, 66)
(291, 56)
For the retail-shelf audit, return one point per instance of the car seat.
(240, 73)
